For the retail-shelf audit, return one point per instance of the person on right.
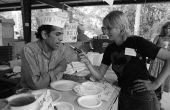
(104, 34)
(161, 40)
(127, 54)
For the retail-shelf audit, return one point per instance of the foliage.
(91, 17)
(152, 14)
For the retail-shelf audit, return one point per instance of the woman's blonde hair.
(117, 19)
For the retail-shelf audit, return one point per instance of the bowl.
(24, 101)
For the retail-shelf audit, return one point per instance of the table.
(71, 97)
(112, 104)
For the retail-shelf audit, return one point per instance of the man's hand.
(58, 70)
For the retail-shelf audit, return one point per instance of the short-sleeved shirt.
(35, 62)
(128, 67)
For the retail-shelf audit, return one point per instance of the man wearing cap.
(45, 60)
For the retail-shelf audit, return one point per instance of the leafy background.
(152, 16)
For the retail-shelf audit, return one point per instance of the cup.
(23, 101)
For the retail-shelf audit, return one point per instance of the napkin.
(45, 101)
(75, 67)
(107, 92)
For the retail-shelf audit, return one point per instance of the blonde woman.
(127, 55)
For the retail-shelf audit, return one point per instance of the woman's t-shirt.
(129, 60)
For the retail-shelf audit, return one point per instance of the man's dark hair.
(47, 28)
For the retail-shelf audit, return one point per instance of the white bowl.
(16, 100)
(56, 96)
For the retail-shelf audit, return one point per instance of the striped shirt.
(37, 65)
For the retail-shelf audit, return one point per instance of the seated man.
(45, 60)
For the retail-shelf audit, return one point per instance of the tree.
(152, 15)
(92, 16)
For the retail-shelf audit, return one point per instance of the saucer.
(89, 101)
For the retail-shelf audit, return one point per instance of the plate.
(63, 85)
(87, 89)
(62, 105)
(89, 101)
(56, 96)
(4, 67)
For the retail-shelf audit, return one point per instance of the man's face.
(55, 37)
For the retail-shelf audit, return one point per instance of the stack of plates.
(89, 93)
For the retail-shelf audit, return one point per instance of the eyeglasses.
(108, 28)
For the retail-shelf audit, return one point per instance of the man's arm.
(57, 72)
(97, 73)
(31, 72)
